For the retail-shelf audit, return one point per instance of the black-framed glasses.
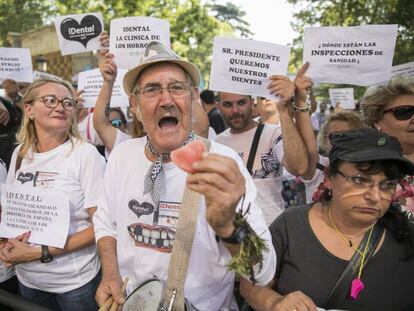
(52, 101)
(176, 89)
(116, 123)
(401, 113)
(365, 182)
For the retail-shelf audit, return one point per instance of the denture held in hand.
(186, 155)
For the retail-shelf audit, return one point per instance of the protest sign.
(16, 64)
(130, 37)
(43, 211)
(91, 82)
(343, 97)
(41, 75)
(406, 69)
(244, 66)
(360, 55)
(79, 33)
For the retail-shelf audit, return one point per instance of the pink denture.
(186, 155)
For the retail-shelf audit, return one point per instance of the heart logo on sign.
(89, 28)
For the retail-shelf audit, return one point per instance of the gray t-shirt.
(304, 264)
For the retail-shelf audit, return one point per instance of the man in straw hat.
(137, 216)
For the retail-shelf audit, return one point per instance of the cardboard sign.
(44, 212)
(79, 33)
(91, 82)
(16, 64)
(243, 66)
(130, 37)
(342, 97)
(360, 55)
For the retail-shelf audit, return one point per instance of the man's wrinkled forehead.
(150, 73)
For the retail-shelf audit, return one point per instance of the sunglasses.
(116, 123)
(402, 113)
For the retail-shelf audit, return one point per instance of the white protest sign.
(43, 211)
(403, 69)
(16, 64)
(344, 97)
(41, 74)
(91, 82)
(360, 55)
(244, 66)
(79, 33)
(130, 37)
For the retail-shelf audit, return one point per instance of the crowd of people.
(300, 208)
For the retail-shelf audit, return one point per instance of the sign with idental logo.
(79, 33)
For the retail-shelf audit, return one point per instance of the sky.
(269, 19)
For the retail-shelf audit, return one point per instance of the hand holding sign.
(11, 88)
(302, 83)
(108, 68)
(284, 88)
(104, 39)
(18, 250)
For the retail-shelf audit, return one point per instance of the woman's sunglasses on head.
(402, 113)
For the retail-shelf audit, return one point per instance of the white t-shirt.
(267, 168)
(5, 272)
(77, 170)
(145, 234)
(211, 133)
(87, 131)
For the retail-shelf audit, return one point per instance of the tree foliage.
(21, 15)
(193, 23)
(353, 13)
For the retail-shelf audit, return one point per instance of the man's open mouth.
(167, 123)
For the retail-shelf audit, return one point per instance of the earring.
(379, 128)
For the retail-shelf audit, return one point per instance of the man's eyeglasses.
(116, 123)
(401, 113)
(176, 89)
(52, 101)
(364, 182)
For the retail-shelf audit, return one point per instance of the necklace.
(340, 234)
(357, 285)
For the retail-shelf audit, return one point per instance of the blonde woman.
(51, 154)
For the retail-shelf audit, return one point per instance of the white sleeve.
(256, 220)
(92, 167)
(105, 217)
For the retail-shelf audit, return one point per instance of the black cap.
(367, 144)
